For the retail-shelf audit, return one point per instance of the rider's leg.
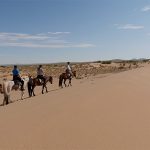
(22, 83)
(43, 78)
(71, 74)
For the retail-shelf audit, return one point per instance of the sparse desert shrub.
(98, 61)
(106, 62)
(121, 67)
(79, 77)
(145, 60)
(3, 66)
(130, 66)
(135, 63)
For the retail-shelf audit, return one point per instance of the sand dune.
(104, 112)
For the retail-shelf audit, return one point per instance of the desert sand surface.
(103, 112)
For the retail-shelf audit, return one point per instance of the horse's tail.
(60, 81)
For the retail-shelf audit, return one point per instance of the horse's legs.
(70, 82)
(6, 99)
(22, 94)
(61, 83)
(65, 82)
(32, 91)
(29, 90)
(46, 88)
(43, 89)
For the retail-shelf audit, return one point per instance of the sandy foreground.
(104, 112)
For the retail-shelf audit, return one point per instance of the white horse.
(7, 86)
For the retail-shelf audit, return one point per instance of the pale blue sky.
(45, 31)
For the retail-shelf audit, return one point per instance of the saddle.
(17, 84)
(40, 81)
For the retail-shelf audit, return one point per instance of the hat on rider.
(15, 66)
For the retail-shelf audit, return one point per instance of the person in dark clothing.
(16, 76)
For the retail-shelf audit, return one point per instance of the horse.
(64, 77)
(7, 86)
(33, 82)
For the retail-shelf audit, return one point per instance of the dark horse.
(64, 77)
(33, 82)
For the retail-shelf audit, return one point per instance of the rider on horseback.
(69, 69)
(16, 77)
(40, 73)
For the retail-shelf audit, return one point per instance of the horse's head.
(74, 73)
(51, 79)
(1, 89)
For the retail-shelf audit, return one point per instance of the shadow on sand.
(29, 97)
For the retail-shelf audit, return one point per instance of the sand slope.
(101, 113)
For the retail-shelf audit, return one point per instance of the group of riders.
(40, 74)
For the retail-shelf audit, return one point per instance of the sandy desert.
(107, 108)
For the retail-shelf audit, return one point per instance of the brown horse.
(64, 77)
(33, 82)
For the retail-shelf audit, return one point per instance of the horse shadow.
(28, 97)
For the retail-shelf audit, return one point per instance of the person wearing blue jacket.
(16, 76)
